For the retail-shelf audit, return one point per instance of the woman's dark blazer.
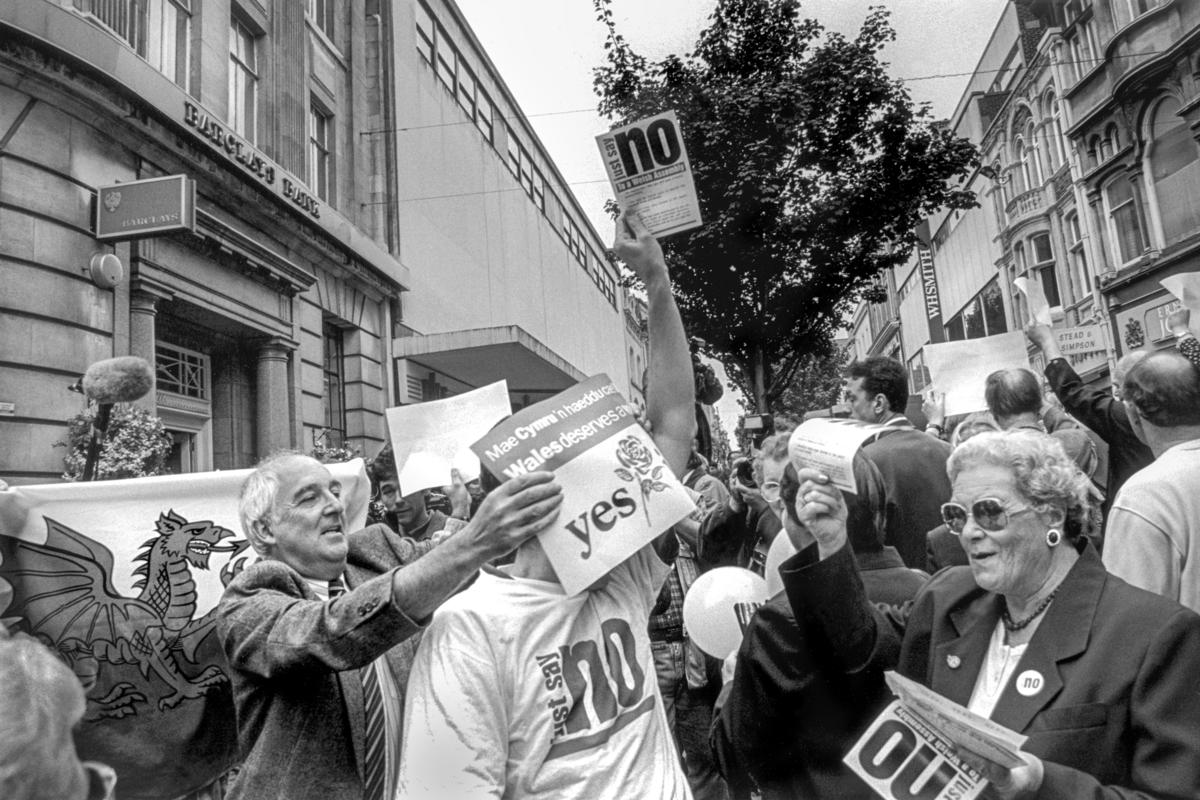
(1118, 711)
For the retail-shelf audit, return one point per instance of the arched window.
(1174, 172)
(1094, 151)
(1021, 161)
(1126, 226)
(1081, 276)
(1033, 157)
(1056, 146)
(1113, 135)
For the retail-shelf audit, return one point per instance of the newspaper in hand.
(911, 749)
(958, 724)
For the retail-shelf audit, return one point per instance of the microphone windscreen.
(118, 380)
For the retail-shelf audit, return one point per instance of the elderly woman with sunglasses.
(1034, 633)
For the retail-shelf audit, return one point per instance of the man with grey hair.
(311, 630)
(1154, 531)
(1101, 411)
(41, 703)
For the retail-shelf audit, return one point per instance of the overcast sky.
(546, 50)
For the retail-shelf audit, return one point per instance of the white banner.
(960, 369)
(648, 167)
(429, 439)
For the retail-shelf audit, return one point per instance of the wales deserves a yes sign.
(618, 492)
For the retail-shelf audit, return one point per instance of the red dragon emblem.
(62, 594)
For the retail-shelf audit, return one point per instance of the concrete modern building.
(375, 223)
(1087, 116)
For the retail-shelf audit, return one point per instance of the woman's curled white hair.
(1042, 472)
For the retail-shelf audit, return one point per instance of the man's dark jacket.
(913, 466)
(791, 713)
(1105, 416)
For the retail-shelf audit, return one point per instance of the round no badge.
(1030, 682)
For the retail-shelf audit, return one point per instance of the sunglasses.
(988, 513)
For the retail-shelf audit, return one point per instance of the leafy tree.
(136, 444)
(816, 384)
(813, 169)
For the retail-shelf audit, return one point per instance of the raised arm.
(671, 390)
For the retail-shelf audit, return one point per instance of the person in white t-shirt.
(519, 691)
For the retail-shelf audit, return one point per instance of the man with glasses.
(311, 629)
(913, 464)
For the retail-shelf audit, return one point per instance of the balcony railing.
(1025, 205)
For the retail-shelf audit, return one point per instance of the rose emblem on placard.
(112, 201)
(637, 466)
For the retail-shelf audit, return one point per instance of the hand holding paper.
(431, 439)
(1039, 308)
(1186, 288)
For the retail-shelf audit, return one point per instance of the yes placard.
(618, 492)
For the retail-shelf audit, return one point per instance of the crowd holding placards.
(1033, 563)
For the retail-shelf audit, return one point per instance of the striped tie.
(375, 766)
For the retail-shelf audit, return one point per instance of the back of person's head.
(1125, 363)
(1165, 389)
(383, 466)
(697, 461)
(882, 375)
(866, 511)
(41, 702)
(971, 424)
(1010, 392)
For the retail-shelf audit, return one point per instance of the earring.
(1053, 537)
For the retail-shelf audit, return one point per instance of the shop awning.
(481, 356)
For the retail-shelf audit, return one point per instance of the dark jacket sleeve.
(1095, 408)
(1164, 710)
(268, 627)
(829, 594)
(723, 537)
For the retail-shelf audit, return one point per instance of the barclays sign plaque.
(148, 207)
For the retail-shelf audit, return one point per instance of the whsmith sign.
(145, 208)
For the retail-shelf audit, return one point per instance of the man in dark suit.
(791, 713)
(316, 692)
(1101, 411)
(913, 464)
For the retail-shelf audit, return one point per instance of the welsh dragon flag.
(120, 579)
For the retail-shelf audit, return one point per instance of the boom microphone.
(114, 380)
(118, 380)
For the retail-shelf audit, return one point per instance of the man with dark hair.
(407, 514)
(913, 465)
(1014, 396)
(1101, 411)
(1153, 536)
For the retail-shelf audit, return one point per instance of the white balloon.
(718, 606)
(780, 551)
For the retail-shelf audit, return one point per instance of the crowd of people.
(434, 654)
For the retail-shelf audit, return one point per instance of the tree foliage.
(136, 444)
(813, 169)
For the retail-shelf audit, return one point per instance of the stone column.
(143, 309)
(274, 418)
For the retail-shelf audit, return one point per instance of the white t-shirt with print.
(518, 691)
